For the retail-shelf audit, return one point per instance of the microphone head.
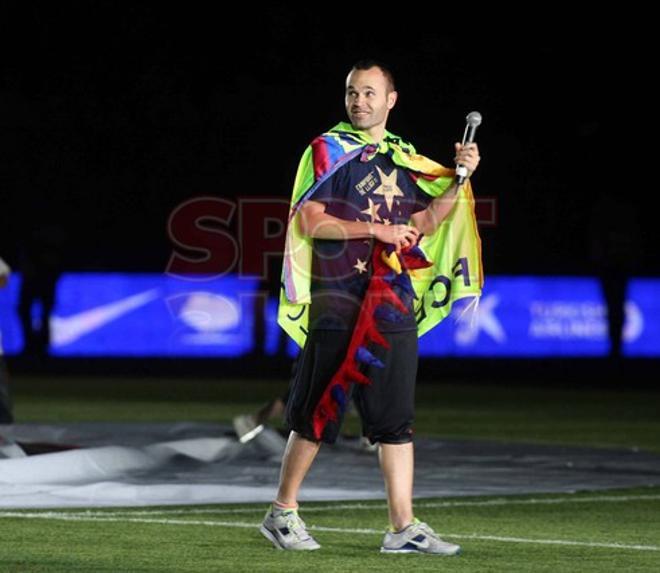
(473, 118)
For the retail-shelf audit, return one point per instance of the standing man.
(360, 286)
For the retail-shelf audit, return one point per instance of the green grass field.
(617, 531)
(584, 532)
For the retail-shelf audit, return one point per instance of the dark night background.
(112, 114)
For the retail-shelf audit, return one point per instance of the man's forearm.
(438, 210)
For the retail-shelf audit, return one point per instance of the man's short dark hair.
(368, 63)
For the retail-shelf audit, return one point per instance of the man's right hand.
(401, 236)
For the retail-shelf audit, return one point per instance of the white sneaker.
(286, 530)
(418, 537)
(246, 427)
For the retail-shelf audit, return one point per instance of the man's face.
(368, 101)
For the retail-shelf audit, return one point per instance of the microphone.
(472, 121)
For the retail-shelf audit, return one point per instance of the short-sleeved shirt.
(375, 191)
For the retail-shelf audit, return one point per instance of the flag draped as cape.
(454, 249)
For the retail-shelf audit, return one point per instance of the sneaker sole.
(268, 535)
(273, 539)
(402, 551)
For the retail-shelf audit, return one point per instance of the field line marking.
(376, 505)
(242, 525)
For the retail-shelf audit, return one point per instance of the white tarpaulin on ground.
(125, 464)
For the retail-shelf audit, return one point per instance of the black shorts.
(386, 406)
